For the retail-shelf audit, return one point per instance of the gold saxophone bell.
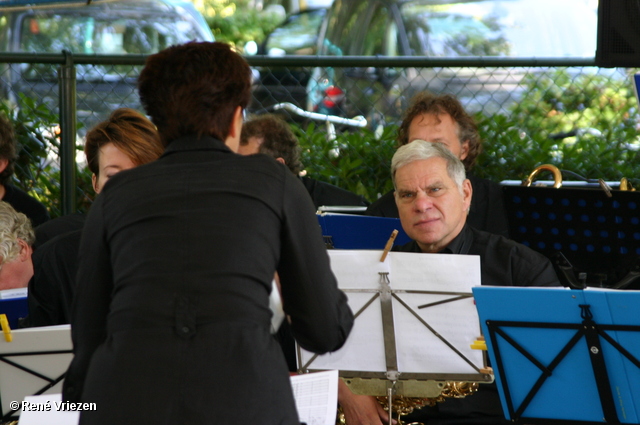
(625, 184)
(557, 175)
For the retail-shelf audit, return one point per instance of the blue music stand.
(350, 231)
(564, 356)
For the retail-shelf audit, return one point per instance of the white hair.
(420, 150)
(14, 226)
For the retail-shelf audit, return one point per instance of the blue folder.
(564, 356)
(349, 231)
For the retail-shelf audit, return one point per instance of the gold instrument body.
(402, 406)
(411, 394)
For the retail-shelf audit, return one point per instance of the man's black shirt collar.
(459, 245)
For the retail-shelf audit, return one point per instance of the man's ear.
(25, 250)
(464, 150)
(467, 193)
(3, 164)
(281, 160)
(94, 183)
(233, 138)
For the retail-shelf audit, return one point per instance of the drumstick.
(389, 244)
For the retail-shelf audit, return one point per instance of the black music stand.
(564, 356)
(598, 235)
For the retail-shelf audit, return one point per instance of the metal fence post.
(67, 80)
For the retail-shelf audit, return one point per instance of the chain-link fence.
(565, 112)
(53, 101)
(529, 111)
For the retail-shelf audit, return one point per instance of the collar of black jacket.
(194, 143)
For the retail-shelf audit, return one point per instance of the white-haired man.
(433, 197)
(16, 239)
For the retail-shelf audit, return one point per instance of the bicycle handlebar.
(358, 121)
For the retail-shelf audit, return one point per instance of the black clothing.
(503, 262)
(487, 210)
(27, 205)
(327, 194)
(171, 320)
(55, 264)
(51, 288)
(58, 226)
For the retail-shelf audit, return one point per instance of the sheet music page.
(434, 324)
(316, 397)
(357, 274)
(454, 319)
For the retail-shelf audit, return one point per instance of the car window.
(437, 31)
(298, 34)
(105, 35)
(101, 34)
(516, 28)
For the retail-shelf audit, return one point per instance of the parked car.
(297, 35)
(442, 29)
(137, 27)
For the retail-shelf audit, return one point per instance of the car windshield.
(103, 34)
(297, 36)
(513, 28)
(100, 33)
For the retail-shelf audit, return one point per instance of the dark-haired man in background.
(271, 135)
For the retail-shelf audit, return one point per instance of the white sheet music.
(452, 319)
(316, 397)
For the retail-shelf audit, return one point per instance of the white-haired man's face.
(17, 272)
(432, 208)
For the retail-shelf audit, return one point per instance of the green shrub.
(357, 161)
(37, 171)
(606, 120)
(514, 144)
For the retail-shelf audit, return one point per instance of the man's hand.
(360, 409)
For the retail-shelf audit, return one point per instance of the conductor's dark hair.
(194, 89)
